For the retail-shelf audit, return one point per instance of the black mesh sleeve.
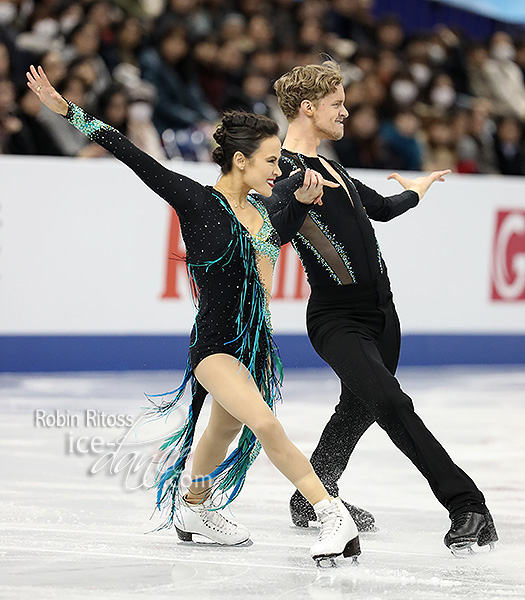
(381, 208)
(179, 191)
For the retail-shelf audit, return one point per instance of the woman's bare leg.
(231, 386)
(211, 449)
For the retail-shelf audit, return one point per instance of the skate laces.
(216, 520)
(330, 519)
(460, 520)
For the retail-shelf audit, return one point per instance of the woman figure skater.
(231, 249)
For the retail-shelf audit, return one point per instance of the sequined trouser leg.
(356, 331)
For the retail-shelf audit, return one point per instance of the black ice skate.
(470, 528)
(302, 514)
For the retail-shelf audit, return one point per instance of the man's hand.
(420, 184)
(311, 191)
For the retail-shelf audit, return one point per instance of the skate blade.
(466, 550)
(462, 549)
(202, 540)
(326, 562)
(329, 562)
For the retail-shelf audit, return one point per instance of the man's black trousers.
(355, 329)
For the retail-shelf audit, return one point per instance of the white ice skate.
(212, 524)
(338, 533)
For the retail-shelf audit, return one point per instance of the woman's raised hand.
(38, 83)
(311, 191)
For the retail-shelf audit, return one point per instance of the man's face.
(330, 113)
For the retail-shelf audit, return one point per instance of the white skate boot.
(338, 533)
(212, 524)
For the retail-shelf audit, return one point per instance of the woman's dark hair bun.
(220, 134)
(240, 132)
(240, 119)
(218, 156)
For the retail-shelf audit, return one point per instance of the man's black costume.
(352, 324)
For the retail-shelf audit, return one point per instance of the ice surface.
(67, 533)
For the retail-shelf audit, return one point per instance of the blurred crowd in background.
(162, 71)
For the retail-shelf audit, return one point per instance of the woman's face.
(262, 168)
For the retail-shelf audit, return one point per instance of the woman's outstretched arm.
(176, 189)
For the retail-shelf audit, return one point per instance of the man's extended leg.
(330, 458)
(357, 361)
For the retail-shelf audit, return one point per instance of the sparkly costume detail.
(331, 237)
(265, 242)
(85, 123)
(300, 237)
(232, 315)
(337, 244)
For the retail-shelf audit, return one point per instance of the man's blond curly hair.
(309, 82)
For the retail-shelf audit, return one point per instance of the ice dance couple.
(233, 232)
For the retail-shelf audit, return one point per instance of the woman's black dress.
(232, 315)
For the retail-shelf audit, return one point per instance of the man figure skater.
(351, 319)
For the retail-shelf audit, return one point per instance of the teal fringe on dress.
(256, 348)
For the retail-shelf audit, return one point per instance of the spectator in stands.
(54, 66)
(85, 68)
(400, 136)
(252, 96)
(83, 44)
(365, 59)
(446, 53)
(375, 93)
(180, 101)
(509, 146)
(261, 33)
(265, 61)
(441, 95)
(212, 80)
(475, 142)
(418, 61)
(347, 19)
(113, 108)
(140, 125)
(31, 137)
(5, 61)
(439, 145)
(403, 94)
(361, 147)
(284, 19)
(505, 79)
(204, 55)
(9, 122)
(190, 15)
(102, 13)
(389, 34)
(355, 94)
(231, 62)
(479, 84)
(129, 34)
(388, 66)
(520, 57)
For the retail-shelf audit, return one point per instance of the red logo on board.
(508, 256)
